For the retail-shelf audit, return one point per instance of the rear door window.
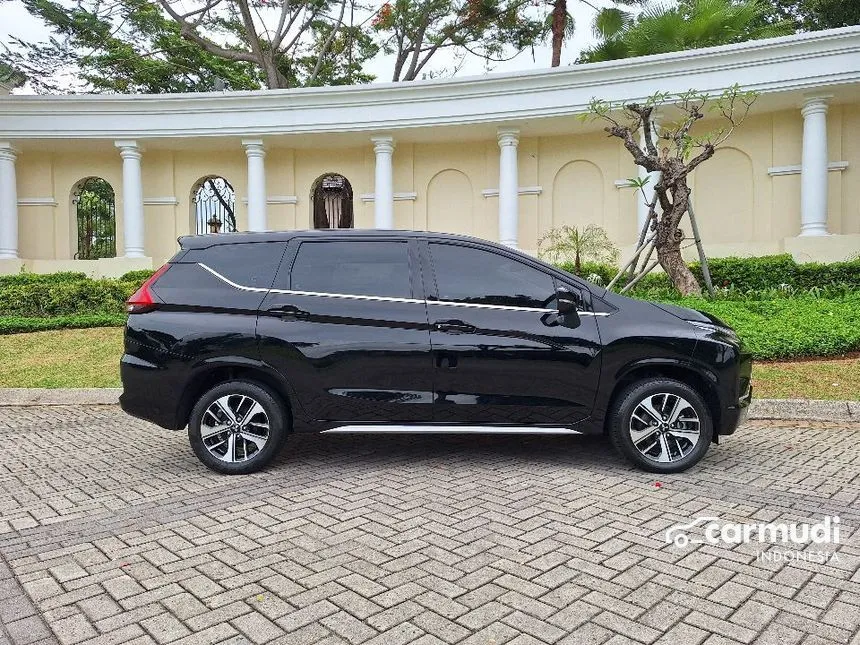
(358, 268)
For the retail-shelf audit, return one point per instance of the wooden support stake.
(703, 260)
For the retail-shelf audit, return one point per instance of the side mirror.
(568, 301)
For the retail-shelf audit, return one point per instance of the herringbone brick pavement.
(111, 532)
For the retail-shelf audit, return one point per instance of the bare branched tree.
(674, 153)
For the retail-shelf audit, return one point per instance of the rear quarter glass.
(250, 264)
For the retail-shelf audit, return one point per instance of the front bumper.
(736, 414)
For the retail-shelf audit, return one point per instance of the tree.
(570, 244)
(561, 28)
(175, 46)
(675, 155)
(10, 77)
(416, 30)
(812, 15)
(691, 24)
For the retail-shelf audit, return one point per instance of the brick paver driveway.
(111, 532)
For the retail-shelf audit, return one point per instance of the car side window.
(251, 264)
(359, 268)
(470, 275)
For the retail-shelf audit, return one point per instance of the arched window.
(95, 215)
(331, 197)
(214, 205)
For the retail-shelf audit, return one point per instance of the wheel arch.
(702, 380)
(209, 374)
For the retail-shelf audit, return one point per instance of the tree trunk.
(274, 79)
(679, 273)
(559, 22)
(668, 242)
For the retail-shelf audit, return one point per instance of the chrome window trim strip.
(292, 292)
(349, 296)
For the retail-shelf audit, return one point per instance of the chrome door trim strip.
(348, 296)
(475, 305)
(445, 429)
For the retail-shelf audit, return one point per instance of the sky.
(16, 20)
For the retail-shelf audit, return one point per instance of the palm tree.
(661, 28)
(561, 27)
(572, 244)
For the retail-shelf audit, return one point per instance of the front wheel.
(237, 427)
(661, 425)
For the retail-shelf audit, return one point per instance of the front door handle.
(288, 311)
(454, 327)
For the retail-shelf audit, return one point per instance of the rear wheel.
(237, 427)
(661, 425)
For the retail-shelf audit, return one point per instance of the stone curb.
(760, 408)
(59, 396)
(805, 409)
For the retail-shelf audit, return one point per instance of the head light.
(711, 328)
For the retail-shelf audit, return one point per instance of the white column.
(132, 198)
(256, 154)
(383, 199)
(642, 201)
(8, 203)
(508, 186)
(813, 168)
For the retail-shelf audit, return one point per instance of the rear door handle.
(288, 311)
(454, 327)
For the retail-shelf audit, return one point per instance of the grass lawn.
(61, 358)
(823, 378)
(90, 358)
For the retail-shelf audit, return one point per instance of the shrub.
(41, 278)
(136, 276)
(765, 272)
(744, 275)
(790, 327)
(605, 271)
(772, 271)
(65, 298)
(20, 324)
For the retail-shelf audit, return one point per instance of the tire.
(252, 422)
(642, 430)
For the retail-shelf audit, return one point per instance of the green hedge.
(773, 271)
(41, 278)
(19, 324)
(65, 298)
(136, 276)
(747, 274)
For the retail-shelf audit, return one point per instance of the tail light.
(143, 299)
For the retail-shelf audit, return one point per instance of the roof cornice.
(797, 62)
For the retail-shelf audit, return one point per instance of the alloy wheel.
(664, 427)
(234, 428)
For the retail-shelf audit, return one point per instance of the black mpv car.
(246, 338)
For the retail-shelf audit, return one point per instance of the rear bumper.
(147, 394)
